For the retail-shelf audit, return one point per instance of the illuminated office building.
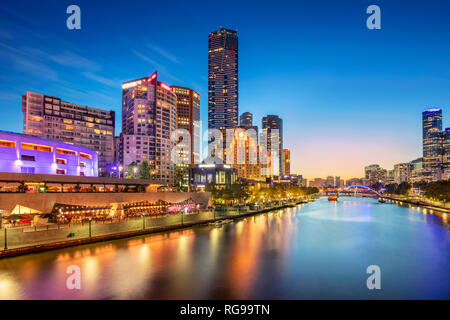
(149, 116)
(433, 140)
(188, 118)
(52, 118)
(287, 162)
(274, 126)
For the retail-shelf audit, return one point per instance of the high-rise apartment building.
(52, 118)
(274, 126)
(402, 172)
(223, 87)
(149, 116)
(433, 139)
(287, 162)
(188, 118)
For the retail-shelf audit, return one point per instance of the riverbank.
(437, 210)
(53, 245)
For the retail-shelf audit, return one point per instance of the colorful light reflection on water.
(316, 251)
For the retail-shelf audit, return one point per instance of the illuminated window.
(61, 161)
(85, 155)
(66, 152)
(60, 171)
(82, 164)
(7, 144)
(36, 147)
(69, 127)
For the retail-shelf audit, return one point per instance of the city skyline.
(393, 88)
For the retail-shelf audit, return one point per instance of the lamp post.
(90, 227)
(135, 171)
(120, 171)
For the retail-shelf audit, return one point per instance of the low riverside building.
(89, 196)
(215, 175)
(23, 153)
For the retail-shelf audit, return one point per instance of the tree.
(439, 190)
(144, 170)
(130, 170)
(404, 188)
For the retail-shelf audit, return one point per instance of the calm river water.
(319, 250)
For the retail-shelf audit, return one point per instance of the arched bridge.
(357, 186)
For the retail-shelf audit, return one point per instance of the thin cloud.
(106, 81)
(149, 60)
(164, 53)
(36, 68)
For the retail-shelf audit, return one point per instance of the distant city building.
(52, 118)
(369, 169)
(273, 124)
(317, 183)
(149, 116)
(433, 141)
(390, 177)
(417, 170)
(446, 159)
(223, 89)
(329, 182)
(23, 153)
(354, 181)
(402, 172)
(246, 120)
(287, 162)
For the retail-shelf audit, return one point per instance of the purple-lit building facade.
(22, 153)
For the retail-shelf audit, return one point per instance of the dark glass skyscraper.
(273, 122)
(246, 119)
(223, 93)
(432, 142)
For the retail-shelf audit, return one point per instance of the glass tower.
(432, 142)
(223, 80)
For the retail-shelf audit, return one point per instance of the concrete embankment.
(22, 241)
(435, 210)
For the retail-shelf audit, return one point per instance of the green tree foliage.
(400, 189)
(130, 170)
(144, 170)
(439, 190)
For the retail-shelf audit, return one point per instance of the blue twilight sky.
(348, 96)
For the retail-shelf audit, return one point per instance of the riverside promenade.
(25, 240)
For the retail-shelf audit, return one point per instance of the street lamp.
(135, 171)
(120, 171)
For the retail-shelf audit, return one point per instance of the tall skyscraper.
(52, 118)
(149, 116)
(273, 124)
(223, 87)
(188, 117)
(287, 162)
(432, 143)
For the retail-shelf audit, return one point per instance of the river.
(319, 250)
